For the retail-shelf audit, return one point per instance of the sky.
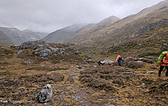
(51, 15)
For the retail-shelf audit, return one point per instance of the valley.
(68, 58)
(77, 82)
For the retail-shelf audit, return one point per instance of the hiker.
(163, 60)
(119, 60)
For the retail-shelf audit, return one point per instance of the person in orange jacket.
(164, 63)
(119, 60)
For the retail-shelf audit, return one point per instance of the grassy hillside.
(150, 41)
(146, 33)
(78, 83)
(121, 32)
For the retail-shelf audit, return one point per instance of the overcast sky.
(51, 15)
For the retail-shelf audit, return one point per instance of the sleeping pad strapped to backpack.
(161, 56)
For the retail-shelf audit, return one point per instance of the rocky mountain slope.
(5, 40)
(123, 31)
(68, 34)
(111, 33)
(60, 36)
(21, 36)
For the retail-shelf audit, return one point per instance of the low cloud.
(50, 15)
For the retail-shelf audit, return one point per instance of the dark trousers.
(119, 64)
(161, 68)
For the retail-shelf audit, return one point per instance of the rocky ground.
(76, 82)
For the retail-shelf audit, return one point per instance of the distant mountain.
(85, 34)
(107, 21)
(35, 35)
(5, 40)
(69, 34)
(22, 36)
(61, 35)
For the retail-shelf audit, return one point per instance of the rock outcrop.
(150, 27)
(45, 51)
(45, 94)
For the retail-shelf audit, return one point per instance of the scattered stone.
(45, 94)
(150, 72)
(56, 67)
(164, 47)
(54, 49)
(127, 73)
(38, 47)
(142, 85)
(90, 61)
(42, 65)
(77, 52)
(28, 61)
(19, 51)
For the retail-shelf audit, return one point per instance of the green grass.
(147, 53)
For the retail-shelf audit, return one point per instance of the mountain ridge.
(66, 36)
(5, 40)
(21, 36)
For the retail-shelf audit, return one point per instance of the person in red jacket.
(164, 63)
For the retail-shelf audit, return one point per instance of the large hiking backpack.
(161, 56)
(118, 57)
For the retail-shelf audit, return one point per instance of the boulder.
(136, 64)
(54, 49)
(127, 59)
(45, 53)
(45, 94)
(29, 44)
(38, 47)
(164, 47)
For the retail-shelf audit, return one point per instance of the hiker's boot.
(159, 74)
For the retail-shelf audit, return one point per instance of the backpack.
(118, 57)
(161, 56)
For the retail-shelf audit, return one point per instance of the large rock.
(38, 47)
(30, 44)
(164, 47)
(45, 53)
(45, 94)
(136, 64)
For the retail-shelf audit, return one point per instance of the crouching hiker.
(163, 60)
(119, 60)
